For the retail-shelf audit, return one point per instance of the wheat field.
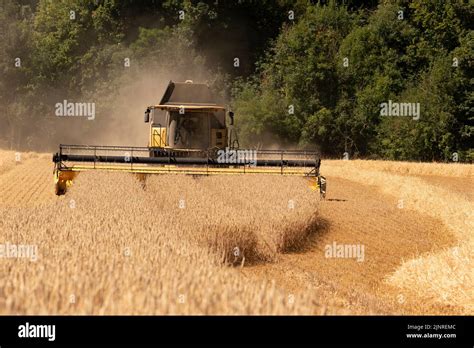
(237, 244)
(110, 247)
(445, 276)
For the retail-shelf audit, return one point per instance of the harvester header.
(189, 134)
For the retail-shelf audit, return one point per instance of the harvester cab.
(188, 134)
(187, 118)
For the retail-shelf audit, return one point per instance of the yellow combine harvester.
(189, 134)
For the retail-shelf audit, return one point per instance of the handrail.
(141, 155)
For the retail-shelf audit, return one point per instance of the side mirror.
(231, 116)
(147, 116)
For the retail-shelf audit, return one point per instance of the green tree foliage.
(311, 73)
(337, 66)
(298, 83)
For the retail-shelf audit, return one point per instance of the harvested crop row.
(409, 168)
(11, 159)
(28, 183)
(446, 276)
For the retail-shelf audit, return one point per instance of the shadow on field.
(336, 200)
(315, 231)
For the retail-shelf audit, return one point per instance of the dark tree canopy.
(296, 73)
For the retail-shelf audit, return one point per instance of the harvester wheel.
(322, 187)
(59, 189)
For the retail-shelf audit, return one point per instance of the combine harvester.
(189, 134)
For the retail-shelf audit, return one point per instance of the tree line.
(299, 74)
